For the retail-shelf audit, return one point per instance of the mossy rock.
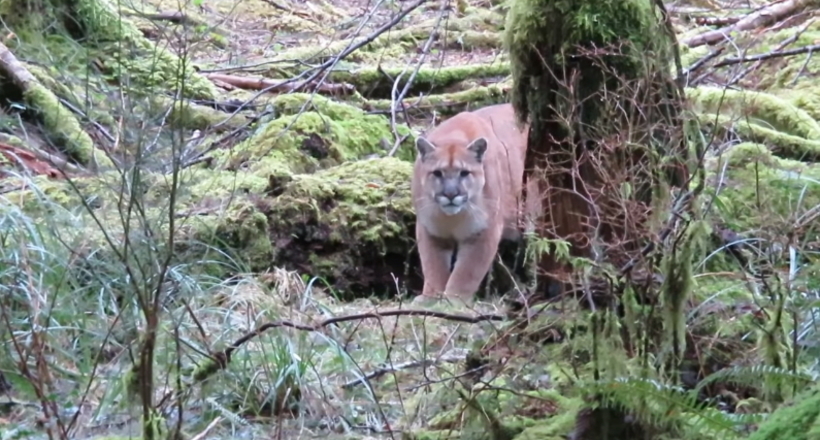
(231, 240)
(351, 224)
(326, 134)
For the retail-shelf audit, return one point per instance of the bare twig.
(779, 47)
(332, 62)
(275, 86)
(224, 357)
(399, 99)
(402, 366)
(768, 55)
(701, 62)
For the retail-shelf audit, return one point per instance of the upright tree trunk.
(593, 79)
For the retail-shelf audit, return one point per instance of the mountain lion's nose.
(450, 193)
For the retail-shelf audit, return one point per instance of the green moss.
(564, 53)
(806, 98)
(782, 144)
(759, 108)
(40, 195)
(63, 127)
(192, 116)
(202, 184)
(239, 233)
(362, 191)
(326, 134)
(351, 224)
(138, 62)
(541, 35)
(379, 81)
(761, 190)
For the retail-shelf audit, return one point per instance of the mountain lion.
(466, 188)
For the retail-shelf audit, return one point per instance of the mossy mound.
(351, 224)
(354, 226)
(229, 240)
(325, 134)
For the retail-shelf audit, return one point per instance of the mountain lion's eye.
(465, 173)
(437, 173)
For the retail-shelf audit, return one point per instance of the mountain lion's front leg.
(435, 254)
(473, 260)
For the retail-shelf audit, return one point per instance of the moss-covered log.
(60, 124)
(447, 104)
(377, 83)
(477, 29)
(124, 54)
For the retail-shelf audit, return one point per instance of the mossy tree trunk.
(593, 79)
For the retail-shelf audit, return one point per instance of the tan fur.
(488, 185)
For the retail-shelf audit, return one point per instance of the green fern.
(753, 376)
(800, 421)
(666, 407)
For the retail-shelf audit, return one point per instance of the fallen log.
(763, 17)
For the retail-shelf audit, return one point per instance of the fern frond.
(797, 421)
(660, 405)
(752, 376)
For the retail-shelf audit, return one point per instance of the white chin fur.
(451, 209)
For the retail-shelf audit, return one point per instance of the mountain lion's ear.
(478, 147)
(424, 147)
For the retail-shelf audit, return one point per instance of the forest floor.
(306, 382)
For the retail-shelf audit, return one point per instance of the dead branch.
(701, 62)
(21, 77)
(275, 86)
(175, 17)
(222, 358)
(779, 48)
(329, 64)
(716, 21)
(425, 51)
(766, 16)
(767, 55)
(403, 366)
